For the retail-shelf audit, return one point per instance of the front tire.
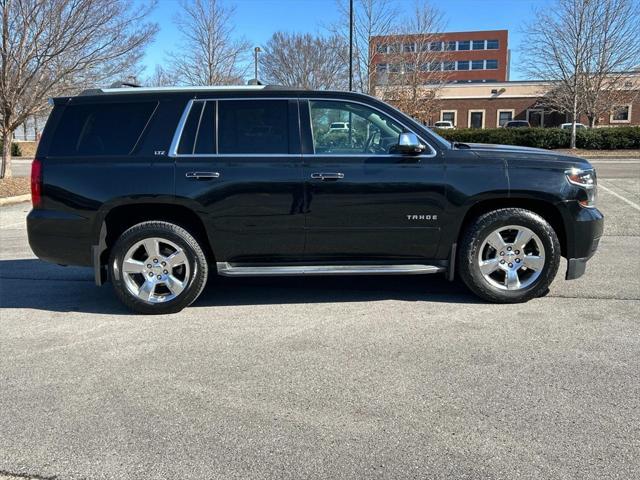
(509, 255)
(157, 268)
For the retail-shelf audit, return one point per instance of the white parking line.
(633, 204)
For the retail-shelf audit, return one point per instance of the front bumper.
(584, 228)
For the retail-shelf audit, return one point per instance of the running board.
(234, 270)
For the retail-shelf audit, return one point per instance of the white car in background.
(339, 127)
(567, 126)
(444, 125)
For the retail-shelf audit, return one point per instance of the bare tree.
(371, 18)
(54, 47)
(419, 59)
(612, 56)
(209, 54)
(304, 60)
(583, 49)
(160, 77)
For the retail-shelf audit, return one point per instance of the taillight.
(36, 182)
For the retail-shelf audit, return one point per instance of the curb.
(16, 199)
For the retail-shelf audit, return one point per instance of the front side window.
(253, 126)
(366, 131)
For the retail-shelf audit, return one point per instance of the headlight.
(587, 181)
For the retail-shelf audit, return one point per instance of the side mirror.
(409, 143)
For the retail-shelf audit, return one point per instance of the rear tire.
(509, 255)
(157, 268)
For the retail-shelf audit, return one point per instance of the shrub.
(15, 149)
(593, 139)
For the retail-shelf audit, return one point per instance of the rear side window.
(100, 129)
(253, 126)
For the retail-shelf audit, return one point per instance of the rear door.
(238, 163)
(363, 201)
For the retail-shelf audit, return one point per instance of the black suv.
(155, 188)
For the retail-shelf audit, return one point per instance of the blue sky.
(256, 20)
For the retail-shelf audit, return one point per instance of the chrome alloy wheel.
(155, 270)
(511, 257)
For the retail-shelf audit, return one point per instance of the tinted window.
(464, 45)
(190, 129)
(367, 131)
(492, 44)
(463, 65)
(492, 64)
(100, 129)
(253, 126)
(206, 138)
(478, 44)
(477, 64)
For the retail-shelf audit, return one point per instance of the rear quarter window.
(100, 128)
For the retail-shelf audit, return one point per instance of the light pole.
(350, 45)
(256, 51)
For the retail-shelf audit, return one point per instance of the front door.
(238, 164)
(476, 119)
(363, 201)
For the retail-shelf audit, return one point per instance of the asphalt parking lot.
(363, 377)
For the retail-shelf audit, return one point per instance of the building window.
(478, 44)
(381, 68)
(423, 67)
(448, 65)
(620, 114)
(394, 67)
(435, 66)
(463, 65)
(409, 47)
(448, 116)
(492, 65)
(393, 48)
(423, 46)
(504, 116)
(477, 65)
(476, 119)
(493, 44)
(435, 46)
(464, 45)
(409, 67)
(450, 46)
(382, 48)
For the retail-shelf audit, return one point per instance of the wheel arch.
(544, 208)
(121, 217)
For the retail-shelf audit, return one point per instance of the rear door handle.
(327, 176)
(202, 175)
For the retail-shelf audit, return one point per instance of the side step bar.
(237, 270)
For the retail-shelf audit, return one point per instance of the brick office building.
(491, 105)
(481, 56)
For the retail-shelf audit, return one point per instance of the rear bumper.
(60, 237)
(584, 228)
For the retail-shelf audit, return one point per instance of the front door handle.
(202, 175)
(327, 176)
